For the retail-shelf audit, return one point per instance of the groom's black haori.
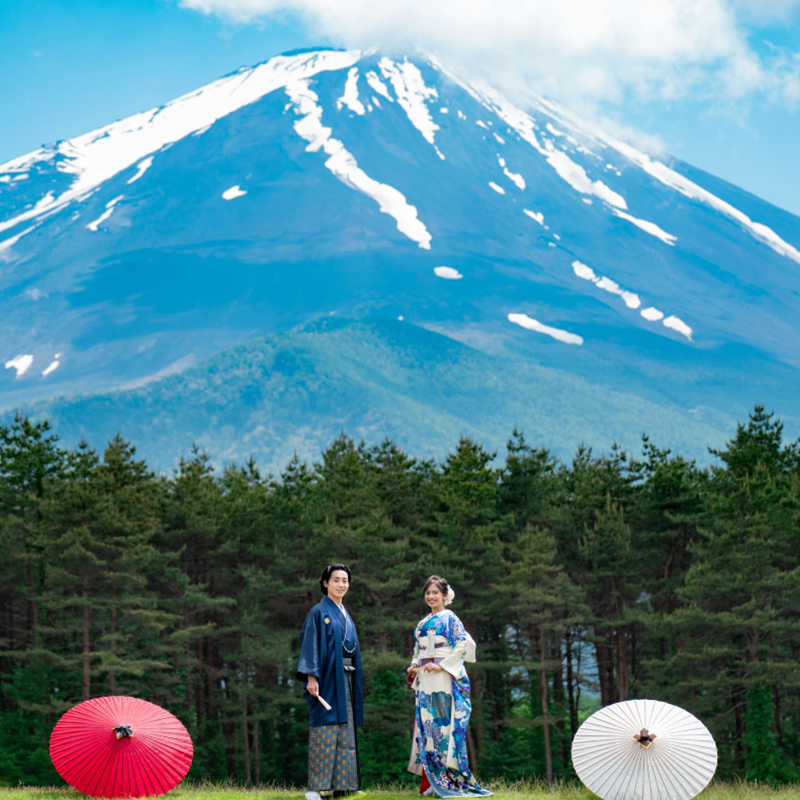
(330, 652)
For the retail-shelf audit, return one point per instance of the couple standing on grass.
(330, 666)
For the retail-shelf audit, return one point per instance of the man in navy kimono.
(330, 667)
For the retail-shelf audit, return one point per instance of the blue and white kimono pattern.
(439, 748)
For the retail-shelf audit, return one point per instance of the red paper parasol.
(121, 747)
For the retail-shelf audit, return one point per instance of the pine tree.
(103, 612)
(738, 631)
(543, 604)
(31, 463)
(596, 547)
(464, 546)
(198, 594)
(543, 614)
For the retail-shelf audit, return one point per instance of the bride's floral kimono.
(439, 748)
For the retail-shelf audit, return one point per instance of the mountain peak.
(352, 183)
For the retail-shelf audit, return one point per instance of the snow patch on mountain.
(677, 324)
(531, 324)
(568, 170)
(448, 273)
(99, 155)
(514, 177)
(691, 190)
(631, 299)
(233, 192)
(20, 363)
(344, 166)
(652, 314)
(648, 227)
(350, 96)
(93, 226)
(52, 366)
(13, 178)
(378, 86)
(535, 215)
(412, 95)
(40, 208)
(656, 169)
(141, 168)
(575, 175)
(5, 245)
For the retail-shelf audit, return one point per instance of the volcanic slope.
(291, 394)
(369, 186)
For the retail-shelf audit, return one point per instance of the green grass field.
(503, 791)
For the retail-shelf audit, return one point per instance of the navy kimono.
(321, 655)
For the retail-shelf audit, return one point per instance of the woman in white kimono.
(441, 688)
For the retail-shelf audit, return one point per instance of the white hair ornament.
(450, 596)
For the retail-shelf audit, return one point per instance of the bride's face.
(434, 598)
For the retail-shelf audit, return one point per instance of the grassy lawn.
(503, 791)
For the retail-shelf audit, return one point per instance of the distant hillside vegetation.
(294, 392)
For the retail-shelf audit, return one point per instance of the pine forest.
(615, 576)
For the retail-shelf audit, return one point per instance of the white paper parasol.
(644, 750)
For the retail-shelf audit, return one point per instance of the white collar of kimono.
(340, 607)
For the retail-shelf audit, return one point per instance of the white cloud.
(578, 51)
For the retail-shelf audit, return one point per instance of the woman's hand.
(312, 684)
(412, 669)
(433, 668)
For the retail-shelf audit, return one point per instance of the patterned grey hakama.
(332, 757)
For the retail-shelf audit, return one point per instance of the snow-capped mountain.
(365, 186)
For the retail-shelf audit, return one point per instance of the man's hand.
(312, 684)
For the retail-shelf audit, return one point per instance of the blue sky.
(715, 82)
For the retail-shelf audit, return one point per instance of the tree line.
(608, 578)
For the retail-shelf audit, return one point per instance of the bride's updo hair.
(437, 581)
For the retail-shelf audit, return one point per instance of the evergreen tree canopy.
(608, 578)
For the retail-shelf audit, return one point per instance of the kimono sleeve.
(310, 655)
(456, 636)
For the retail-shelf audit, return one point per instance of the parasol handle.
(645, 738)
(123, 731)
